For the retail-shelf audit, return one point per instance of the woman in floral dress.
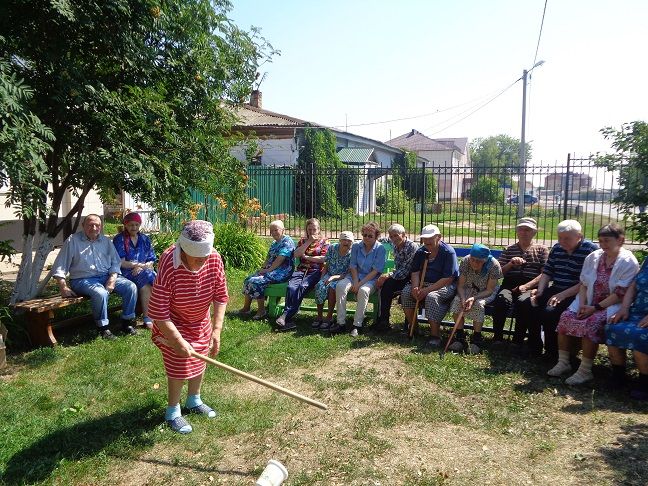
(336, 266)
(277, 268)
(604, 279)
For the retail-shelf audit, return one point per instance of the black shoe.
(337, 328)
(105, 333)
(128, 328)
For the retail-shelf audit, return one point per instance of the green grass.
(91, 412)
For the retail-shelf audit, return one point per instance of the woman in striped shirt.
(190, 280)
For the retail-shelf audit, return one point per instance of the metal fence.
(469, 204)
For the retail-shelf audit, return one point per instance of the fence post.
(566, 188)
(423, 196)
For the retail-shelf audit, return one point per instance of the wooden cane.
(416, 306)
(260, 381)
(454, 329)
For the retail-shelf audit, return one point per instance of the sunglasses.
(368, 235)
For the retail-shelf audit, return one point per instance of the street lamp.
(522, 181)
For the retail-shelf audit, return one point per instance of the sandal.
(180, 425)
(259, 317)
(288, 326)
(203, 409)
(317, 323)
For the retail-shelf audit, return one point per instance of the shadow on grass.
(627, 455)
(121, 430)
(205, 469)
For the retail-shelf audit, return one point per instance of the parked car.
(528, 199)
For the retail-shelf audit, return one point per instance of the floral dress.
(254, 285)
(591, 327)
(336, 264)
(628, 334)
(143, 252)
(476, 282)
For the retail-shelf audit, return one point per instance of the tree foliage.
(136, 94)
(316, 185)
(630, 159)
(498, 154)
(416, 187)
(486, 190)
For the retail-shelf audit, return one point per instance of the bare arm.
(218, 316)
(275, 264)
(174, 339)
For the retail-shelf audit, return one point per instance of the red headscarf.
(127, 219)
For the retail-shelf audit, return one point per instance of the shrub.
(391, 198)
(163, 240)
(486, 190)
(239, 248)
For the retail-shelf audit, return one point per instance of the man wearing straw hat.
(190, 280)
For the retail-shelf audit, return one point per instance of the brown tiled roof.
(415, 141)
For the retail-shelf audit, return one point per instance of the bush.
(239, 248)
(391, 198)
(486, 190)
(163, 240)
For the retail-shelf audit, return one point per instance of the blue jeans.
(93, 287)
(298, 285)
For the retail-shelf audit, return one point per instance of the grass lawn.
(91, 412)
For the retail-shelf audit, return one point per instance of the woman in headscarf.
(137, 259)
(477, 286)
(190, 280)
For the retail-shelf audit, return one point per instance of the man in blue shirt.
(93, 264)
(540, 308)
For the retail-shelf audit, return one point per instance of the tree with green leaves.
(486, 190)
(630, 159)
(499, 154)
(316, 183)
(135, 95)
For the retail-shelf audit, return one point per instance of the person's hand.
(355, 287)
(517, 261)
(468, 303)
(585, 311)
(555, 300)
(182, 348)
(521, 289)
(67, 292)
(381, 280)
(644, 322)
(332, 278)
(110, 285)
(263, 271)
(214, 343)
(535, 296)
(136, 270)
(620, 315)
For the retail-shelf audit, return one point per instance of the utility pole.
(522, 177)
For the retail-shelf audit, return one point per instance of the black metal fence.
(469, 204)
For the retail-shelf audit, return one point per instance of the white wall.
(282, 151)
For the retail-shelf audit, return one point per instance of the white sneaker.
(354, 332)
(560, 369)
(579, 378)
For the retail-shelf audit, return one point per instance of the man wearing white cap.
(438, 286)
(540, 309)
(522, 266)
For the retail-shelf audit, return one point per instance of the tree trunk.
(31, 266)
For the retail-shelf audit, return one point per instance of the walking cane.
(260, 381)
(416, 306)
(454, 329)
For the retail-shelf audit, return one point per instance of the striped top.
(184, 297)
(563, 268)
(535, 256)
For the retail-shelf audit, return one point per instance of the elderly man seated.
(93, 264)
(540, 309)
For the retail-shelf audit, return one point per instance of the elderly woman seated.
(604, 279)
(437, 287)
(336, 267)
(628, 329)
(137, 259)
(478, 276)
(278, 267)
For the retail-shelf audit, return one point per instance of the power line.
(540, 33)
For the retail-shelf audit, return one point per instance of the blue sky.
(359, 61)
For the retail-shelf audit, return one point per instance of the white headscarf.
(196, 240)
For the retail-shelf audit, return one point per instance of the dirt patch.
(376, 432)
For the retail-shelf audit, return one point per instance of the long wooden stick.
(416, 306)
(260, 381)
(454, 329)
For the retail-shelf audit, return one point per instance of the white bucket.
(273, 475)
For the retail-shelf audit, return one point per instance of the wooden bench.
(39, 317)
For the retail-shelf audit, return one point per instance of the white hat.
(346, 235)
(429, 231)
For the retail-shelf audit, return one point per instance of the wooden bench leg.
(39, 327)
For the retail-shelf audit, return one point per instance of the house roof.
(250, 116)
(415, 141)
(355, 155)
